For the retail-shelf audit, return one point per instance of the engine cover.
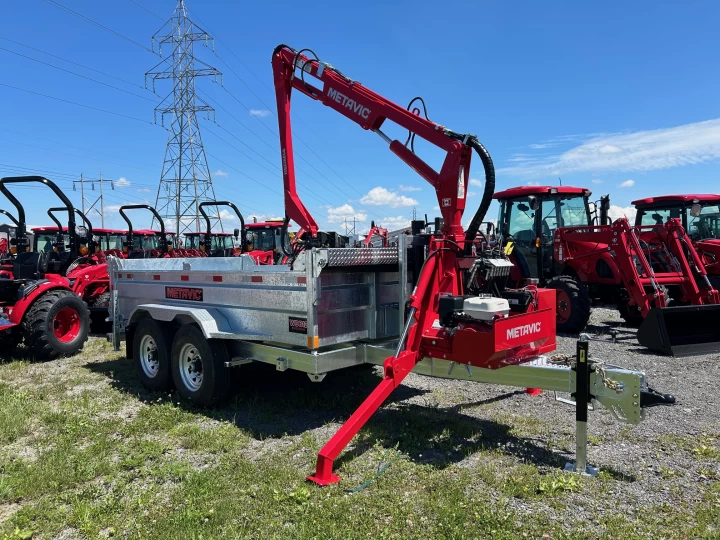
(485, 308)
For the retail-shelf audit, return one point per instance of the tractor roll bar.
(83, 217)
(22, 231)
(10, 216)
(163, 239)
(208, 234)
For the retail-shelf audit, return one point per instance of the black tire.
(573, 304)
(45, 316)
(151, 355)
(198, 367)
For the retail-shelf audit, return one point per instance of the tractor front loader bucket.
(681, 330)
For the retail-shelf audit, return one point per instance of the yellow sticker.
(509, 248)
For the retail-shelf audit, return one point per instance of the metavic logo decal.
(184, 293)
(351, 104)
(297, 325)
(520, 331)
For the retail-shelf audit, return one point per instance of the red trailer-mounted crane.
(452, 287)
(376, 230)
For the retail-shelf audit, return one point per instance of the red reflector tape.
(119, 276)
(302, 280)
(217, 278)
(129, 276)
(256, 279)
(184, 278)
(156, 277)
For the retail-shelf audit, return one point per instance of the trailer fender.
(211, 321)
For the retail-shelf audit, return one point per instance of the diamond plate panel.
(362, 256)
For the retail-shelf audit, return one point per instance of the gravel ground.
(665, 460)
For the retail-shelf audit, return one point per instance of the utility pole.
(185, 179)
(98, 205)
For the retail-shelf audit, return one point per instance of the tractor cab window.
(563, 212)
(106, 243)
(658, 216)
(263, 240)
(44, 242)
(192, 242)
(221, 242)
(145, 243)
(706, 225)
(518, 221)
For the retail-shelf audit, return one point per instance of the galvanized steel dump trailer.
(335, 308)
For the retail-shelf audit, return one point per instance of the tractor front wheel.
(56, 325)
(572, 309)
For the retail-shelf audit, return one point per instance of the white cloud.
(394, 223)
(436, 207)
(476, 182)
(220, 172)
(401, 187)
(379, 196)
(471, 194)
(628, 183)
(541, 146)
(259, 112)
(111, 208)
(121, 182)
(227, 215)
(340, 213)
(596, 181)
(631, 151)
(143, 190)
(532, 183)
(616, 212)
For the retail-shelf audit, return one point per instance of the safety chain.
(567, 360)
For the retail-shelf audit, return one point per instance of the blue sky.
(622, 97)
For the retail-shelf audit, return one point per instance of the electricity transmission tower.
(185, 180)
(98, 205)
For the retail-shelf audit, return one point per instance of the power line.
(88, 19)
(76, 74)
(75, 63)
(146, 9)
(77, 104)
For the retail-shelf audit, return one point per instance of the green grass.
(85, 451)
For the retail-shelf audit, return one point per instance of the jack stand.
(582, 398)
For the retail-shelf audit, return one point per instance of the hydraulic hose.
(488, 192)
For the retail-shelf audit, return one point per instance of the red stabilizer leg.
(533, 391)
(323, 470)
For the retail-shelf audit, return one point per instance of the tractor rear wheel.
(572, 304)
(56, 325)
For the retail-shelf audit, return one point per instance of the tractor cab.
(528, 219)
(220, 243)
(699, 214)
(262, 241)
(47, 240)
(108, 240)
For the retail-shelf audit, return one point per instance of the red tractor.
(552, 236)
(700, 217)
(144, 243)
(263, 241)
(217, 244)
(37, 302)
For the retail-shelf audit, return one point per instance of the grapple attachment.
(681, 330)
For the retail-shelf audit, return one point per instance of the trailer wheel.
(198, 367)
(151, 355)
(572, 304)
(56, 325)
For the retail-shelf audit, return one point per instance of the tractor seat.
(524, 238)
(30, 265)
(57, 262)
